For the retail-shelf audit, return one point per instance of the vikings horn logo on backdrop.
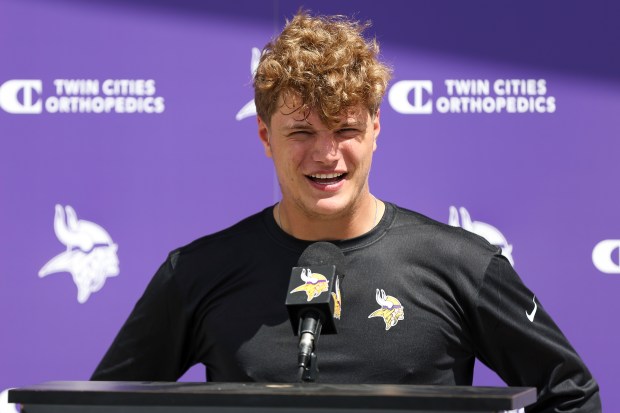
(487, 231)
(249, 109)
(315, 284)
(391, 309)
(90, 256)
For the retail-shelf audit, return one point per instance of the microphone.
(310, 302)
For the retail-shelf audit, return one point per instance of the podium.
(160, 397)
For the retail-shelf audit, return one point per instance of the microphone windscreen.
(313, 285)
(323, 253)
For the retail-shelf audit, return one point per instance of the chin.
(333, 207)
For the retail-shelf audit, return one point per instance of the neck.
(317, 227)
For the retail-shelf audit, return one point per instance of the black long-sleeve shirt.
(420, 301)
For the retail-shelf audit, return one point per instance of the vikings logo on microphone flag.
(314, 285)
(391, 309)
(337, 300)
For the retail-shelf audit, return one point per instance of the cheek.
(293, 155)
(358, 154)
(287, 164)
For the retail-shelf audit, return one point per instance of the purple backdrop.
(123, 137)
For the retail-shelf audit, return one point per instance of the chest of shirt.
(405, 326)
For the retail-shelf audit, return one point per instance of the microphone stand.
(309, 330)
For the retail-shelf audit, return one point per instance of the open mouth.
(327, 179)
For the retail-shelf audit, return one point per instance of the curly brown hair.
(325, 61)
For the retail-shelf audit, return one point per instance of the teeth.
(326, 176)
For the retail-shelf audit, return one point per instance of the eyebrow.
(354, 123)
(307, 126)
(298, 125)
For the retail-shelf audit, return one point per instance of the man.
(421, 300)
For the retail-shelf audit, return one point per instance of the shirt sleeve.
(517, 338)
(152, 344)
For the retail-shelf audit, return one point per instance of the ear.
(376, 128)
(263, 134)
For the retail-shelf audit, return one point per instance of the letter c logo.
(10, 92)
(603, 256)
(399, 97)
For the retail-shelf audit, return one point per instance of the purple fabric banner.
(127, 129)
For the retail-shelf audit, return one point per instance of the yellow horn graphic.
(337, 300)
(391, 309)
(315, 284)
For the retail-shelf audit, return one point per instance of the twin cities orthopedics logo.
(606, 256)
(422, 97)
(127, 96)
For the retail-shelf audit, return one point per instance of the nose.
(325, 147)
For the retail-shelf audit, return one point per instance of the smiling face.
(322, 171)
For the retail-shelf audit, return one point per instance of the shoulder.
(191, 271)
(439, 242)
(224, 247)
(411, 221)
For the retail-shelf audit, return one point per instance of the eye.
(300, 134)
(348, 132)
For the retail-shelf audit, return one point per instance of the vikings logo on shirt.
(391, 309)
(315, 284)
(337, 299)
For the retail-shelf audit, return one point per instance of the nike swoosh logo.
(530, 316)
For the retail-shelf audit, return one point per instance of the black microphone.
(314, 300)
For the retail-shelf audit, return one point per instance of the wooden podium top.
(272, 395)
